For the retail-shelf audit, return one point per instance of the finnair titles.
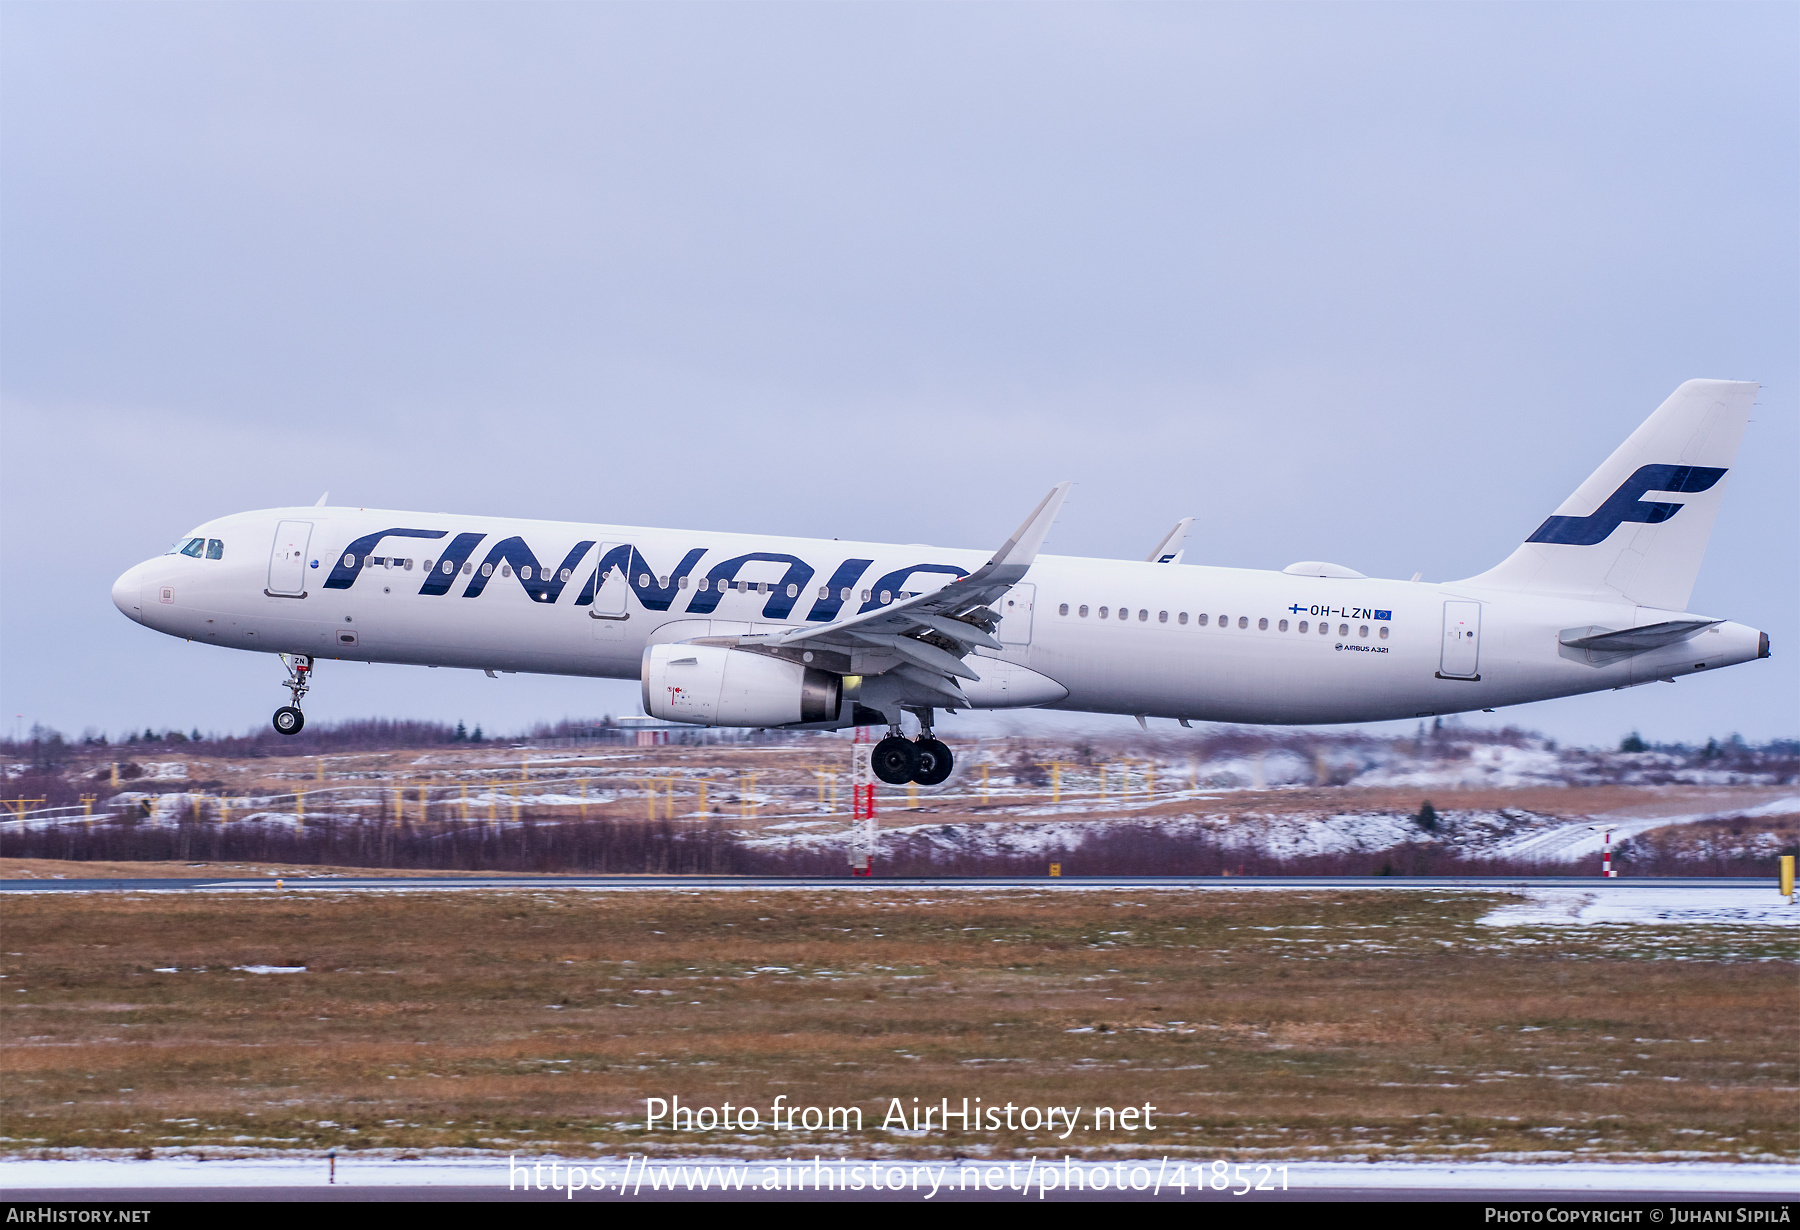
(728, 629)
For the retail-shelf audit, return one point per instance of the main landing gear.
(926, 760)
(288, 719)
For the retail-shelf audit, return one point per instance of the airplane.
(747, 630)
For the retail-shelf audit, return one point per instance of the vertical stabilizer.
(1636, 530)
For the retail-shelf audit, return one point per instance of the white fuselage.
(1213, 644)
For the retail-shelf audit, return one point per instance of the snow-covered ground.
(1583, 838)
(1639, 904)
(1524, 1176)
(1501, 833)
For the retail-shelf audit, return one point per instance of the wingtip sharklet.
(1023, 546)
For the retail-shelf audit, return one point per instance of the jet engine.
(711, 686)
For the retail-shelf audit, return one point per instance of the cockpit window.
(189, 546)
(215, 549)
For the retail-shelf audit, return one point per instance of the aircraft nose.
(128, 593)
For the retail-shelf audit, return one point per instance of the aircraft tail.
(1637, 528)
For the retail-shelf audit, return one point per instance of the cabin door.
(287, 559)
(1462, 640)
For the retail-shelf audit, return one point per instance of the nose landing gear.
(288, 719)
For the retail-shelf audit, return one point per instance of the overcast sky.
(1372, 284)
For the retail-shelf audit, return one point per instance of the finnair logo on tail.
(1628, 504)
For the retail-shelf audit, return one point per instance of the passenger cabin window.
(1082, 610)
(1324, 628)
(1243, 621)
(1203, 620)
(1363, 631)
(487, 570)
(1063, 609)
(1305, 627)
(1162, 617)
(1181, 618)
(565, 573)
(215, 549)
(1224, 621)
(469, 567)
(1143, 616)
(1262, 625)
(1343, 629)
(1124, 613)
(1384, 632)
(1103, 612)
(525, 573)
(1282, 626)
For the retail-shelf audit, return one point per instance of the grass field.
(1299, 1024)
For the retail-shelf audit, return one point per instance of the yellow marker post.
(1056, 869)
(115, 775)
(984, 782)
(1103, 783)
(703, 797)
(1787, 877)
(224, 810)
(319, 768)
(912, 795)
(87, 805)
(1056, 767)
(424, 804)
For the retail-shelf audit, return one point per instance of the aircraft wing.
(925, 638)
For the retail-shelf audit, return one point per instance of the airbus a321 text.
(746, 630)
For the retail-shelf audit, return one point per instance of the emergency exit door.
(1015, 615)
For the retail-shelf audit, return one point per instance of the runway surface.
(928, 883)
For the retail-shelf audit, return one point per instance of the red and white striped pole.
(1606, 867)
(862, 806)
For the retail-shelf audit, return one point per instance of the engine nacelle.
(711, 686)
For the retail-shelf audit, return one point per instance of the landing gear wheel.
(289, 720)
(935, 762)
(895, 760)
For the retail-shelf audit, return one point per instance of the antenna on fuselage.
(320, 502)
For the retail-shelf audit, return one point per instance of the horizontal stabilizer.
(1634, 640)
